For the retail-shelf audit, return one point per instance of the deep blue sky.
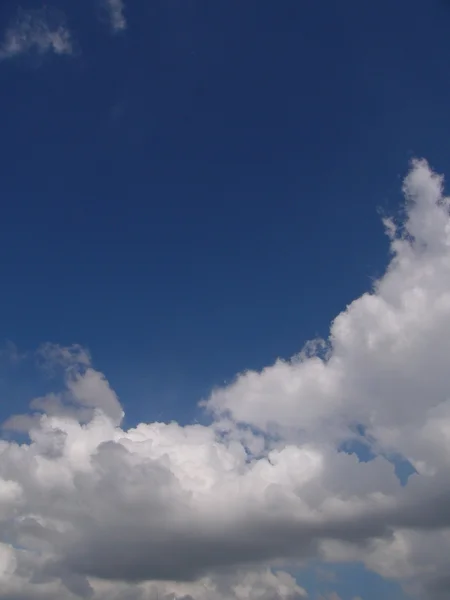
(199, 195)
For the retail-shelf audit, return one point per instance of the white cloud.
(36, 30)
(116, 10)
(90, 509)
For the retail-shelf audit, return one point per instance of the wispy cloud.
(40, 31)
(116, 9)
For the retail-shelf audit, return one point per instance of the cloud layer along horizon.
(227, 511)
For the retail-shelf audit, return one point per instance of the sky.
(225, 300)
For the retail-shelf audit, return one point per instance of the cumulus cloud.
(89, 509)
(116, 14)
(41, 31)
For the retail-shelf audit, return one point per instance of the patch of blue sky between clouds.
(363, 447)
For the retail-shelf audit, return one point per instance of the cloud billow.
(89, 509)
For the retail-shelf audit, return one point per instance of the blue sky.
(195, 190)
(199, 194)
(192, 188)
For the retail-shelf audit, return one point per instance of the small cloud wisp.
(39, 31)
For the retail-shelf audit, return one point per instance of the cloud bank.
(225, 511)
(41, 31)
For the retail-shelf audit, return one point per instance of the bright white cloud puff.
(91, 510)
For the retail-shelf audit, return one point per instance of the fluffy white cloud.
(39, 30)
(116, 14)
(89, 509)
